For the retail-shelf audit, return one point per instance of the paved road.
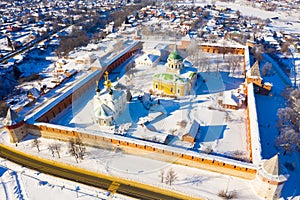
(117, 185)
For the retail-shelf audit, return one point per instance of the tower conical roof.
(254, 71)
(272, 166)
(272, 170)
(12, 118)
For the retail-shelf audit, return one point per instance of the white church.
(108, 103)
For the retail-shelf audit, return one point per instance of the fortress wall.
(223, 49)
(252, 126)
(213, 48)
(253, 137)
(201, 161)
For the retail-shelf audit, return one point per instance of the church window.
(178, 91)
(171, 89)
(156, 86)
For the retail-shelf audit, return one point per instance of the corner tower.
(15, 126)
(270, 178)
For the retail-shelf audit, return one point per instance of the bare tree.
(286, 117)
(288, 122)
(81, 148)
(171, 177)
(73, 149)
(234, 62)
(162, 176)
(36, 143)
(287, 140)
(182, 123)
(286, 92)
(57, 148)
(227, 195)
(128, 95)
(257, 52)
(227, 60)
(192, 51)
(77, 149)
(266, 69)
(285, 47)
(118, 45)
(51, 149)
(207, 149)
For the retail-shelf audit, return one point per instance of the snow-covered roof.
(34, 92)
(103, 111)
(98, 63)
(193, 129)
(147, 58)
(233, 97)
(228, 98)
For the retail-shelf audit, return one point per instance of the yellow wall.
(166, 87)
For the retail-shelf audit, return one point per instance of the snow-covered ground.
(288, 21)
(18, 181)
(222, 130)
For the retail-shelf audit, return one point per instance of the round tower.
(15, 126)
(270, 178)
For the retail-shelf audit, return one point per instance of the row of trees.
(288, 122)
(77, 38)
(197, 56)
(168, 177)
(76, 148)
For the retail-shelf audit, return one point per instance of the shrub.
(227, 195)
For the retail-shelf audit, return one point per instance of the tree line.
(76, 148)
(288, 122)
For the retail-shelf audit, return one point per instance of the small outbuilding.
(192, 134)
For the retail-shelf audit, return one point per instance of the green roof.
(175, 55)
(167, 77)
(191, 74)
(156, 75)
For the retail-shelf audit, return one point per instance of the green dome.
(174, 55)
